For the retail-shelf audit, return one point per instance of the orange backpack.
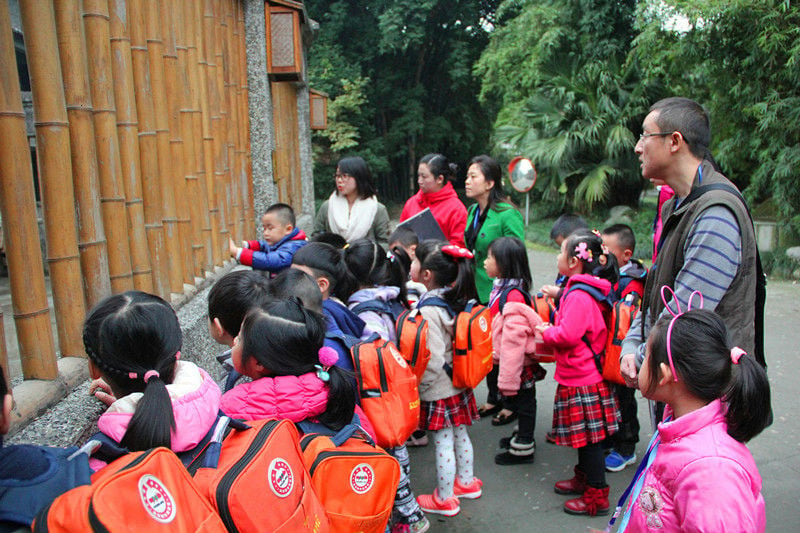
(257, 480)
(140, 491)
(472, 342)
(544, 307)
(412, 340)
(356, 480)
(388, 390)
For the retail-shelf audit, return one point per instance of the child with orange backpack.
(446, 272)
(585, 410)
(514, 334)
(380, 298)
(133, 341)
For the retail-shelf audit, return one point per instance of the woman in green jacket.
(491, 217)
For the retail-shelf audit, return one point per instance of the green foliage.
(742, 60)
(566, 97)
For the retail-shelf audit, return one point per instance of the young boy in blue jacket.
(281, 240)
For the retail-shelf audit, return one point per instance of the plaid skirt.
(584, 415)
(457, 410)
(530, 375)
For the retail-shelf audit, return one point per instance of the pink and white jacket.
(514, 336)
(579, 314)
(294, 398)
(195, 401)
(702, 479)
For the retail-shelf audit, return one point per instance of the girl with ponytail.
(698, 474)
(133, 341)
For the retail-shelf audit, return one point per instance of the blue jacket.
(274, 258)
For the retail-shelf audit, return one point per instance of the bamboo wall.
(142, 142)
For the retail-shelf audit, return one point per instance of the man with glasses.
(707, 243)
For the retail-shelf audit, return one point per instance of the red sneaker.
(430, 503)
(472, 491)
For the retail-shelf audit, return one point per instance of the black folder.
(425, 226)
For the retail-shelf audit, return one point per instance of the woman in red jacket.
(437, 193)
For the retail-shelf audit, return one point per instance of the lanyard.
(635, 485)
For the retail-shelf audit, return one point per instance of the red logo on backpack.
(157, 500)
(362, 478)
(281, 477)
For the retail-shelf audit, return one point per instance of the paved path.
(521, 498)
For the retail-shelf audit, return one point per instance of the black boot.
(517, 453)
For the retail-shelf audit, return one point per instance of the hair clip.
(582, 251)
(328, 356)
(390, 256)
(322, 373)
(597, 234)
(457, 251)
(665, 289)
(736, 354)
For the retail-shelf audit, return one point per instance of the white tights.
(454, 456)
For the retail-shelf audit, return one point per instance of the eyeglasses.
(656, 134)
(342, 177)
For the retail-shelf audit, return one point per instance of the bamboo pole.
(86, 182)
(204, 32)
(3, 350)
(112, 193)
(174, 92)
(250, 215)
(240, 173)
(203, 222)
(231, 83)
(149, 155)
(187, 113)
(221, 166)
(128, 136)
(21, 230)
(55, 179)
(166, 167)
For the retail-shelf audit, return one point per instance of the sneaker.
(550, 437)
(472, 491)
(418, 438)
(616, 462)
(430, 503)
(420, 526)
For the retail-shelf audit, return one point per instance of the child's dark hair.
(448, 271)
(566, 224)
(624, 234)
(405, 236)
(701, 355)
(440, 166)
(234, 294)
(357, 167)
(598, 263)
(326, 261)
(295, 282)
(491, 171)
(511, 259)
(369, 265)
(128, 336)
(284, 211)
(328, 237)
(405, 261)
(286, 338)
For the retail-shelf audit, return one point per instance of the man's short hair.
(284, 212)
(405, 236)
(687, 117)
(624, 234)
(234, 294)
(566, 224)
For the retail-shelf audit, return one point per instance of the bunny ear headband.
(664, 290)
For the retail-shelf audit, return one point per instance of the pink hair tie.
(328, 356)
(736, 354)
(151, 374)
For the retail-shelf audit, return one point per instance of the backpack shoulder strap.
(376, 306)
(438, 302)
(595, 293)
(504, 297)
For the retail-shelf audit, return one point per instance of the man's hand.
(627, 367)
(232, 247)
(550, 290)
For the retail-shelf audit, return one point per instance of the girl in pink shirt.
(585, 410)
(698, 475)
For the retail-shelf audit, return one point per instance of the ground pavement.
(521, 498)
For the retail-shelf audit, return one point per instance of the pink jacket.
(702, 479)
(445, 207)
(294, 398)
(579, 314)
(513, 338)
(195, 403)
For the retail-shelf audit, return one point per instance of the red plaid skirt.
(458, 410)
(584, 415)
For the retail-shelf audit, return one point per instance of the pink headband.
(675, 316)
